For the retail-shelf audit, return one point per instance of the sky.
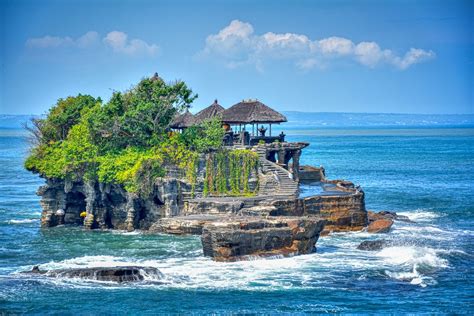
(318, 56)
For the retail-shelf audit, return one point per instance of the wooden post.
(270, 129)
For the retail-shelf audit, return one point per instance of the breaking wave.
(420, 215)
(23, 221)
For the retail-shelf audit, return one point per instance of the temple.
(259, 118)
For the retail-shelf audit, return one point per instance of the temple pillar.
(296, 164)
(281, 156)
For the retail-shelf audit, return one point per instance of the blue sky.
(321, 56)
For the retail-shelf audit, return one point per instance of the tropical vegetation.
(127, 140)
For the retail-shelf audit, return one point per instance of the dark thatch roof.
(251, 111)
(182, 120)
(211, 111)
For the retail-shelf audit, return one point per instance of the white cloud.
(369, 53)
(117, 41)
(232, 42)
(89, 39)
(336, 45)
(237, 45)
(413, 56)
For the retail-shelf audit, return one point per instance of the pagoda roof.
(211, 111)
(251, 111)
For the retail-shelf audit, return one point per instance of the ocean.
(425, 173)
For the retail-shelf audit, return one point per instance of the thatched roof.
(182, 120)
(251, 111)
(211, 111)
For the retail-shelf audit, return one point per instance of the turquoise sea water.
(425, 173)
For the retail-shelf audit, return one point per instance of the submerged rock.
(111, 274)
(372, 245)
(380, 226)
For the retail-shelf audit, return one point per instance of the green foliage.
(124, 141)
(140, 116)
(63, 116)
(79, 152)
(72, 158)
(48, 160)
(228, 172)
(131, 167)
(205, 136)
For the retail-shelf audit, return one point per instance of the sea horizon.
(325, 120)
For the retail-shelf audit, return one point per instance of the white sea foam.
(413, 277)
(423, 232)
(124, 232)
(416, 259)
(420, 215)
(23, 221)
(412, 255)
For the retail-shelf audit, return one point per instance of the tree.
(61, 117)
(205, 136)
(140, 116)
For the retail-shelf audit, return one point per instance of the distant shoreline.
(331, 120)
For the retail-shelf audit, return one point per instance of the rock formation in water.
(372, 245)
(109, 274)
(243, 238)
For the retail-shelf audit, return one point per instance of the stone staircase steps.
(282, 184)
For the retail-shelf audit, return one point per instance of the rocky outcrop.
(372, 245)
(382, 222)
(380, 226)
(310, 174)
(372, 216)
(185, 225)
(110, 274)
(244, 238)
(233, 237)
(342, 206)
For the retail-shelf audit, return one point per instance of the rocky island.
(143, 161)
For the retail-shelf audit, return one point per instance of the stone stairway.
(277, 180)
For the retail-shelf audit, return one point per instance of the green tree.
(205, 136)
(140, 116)
(61, 117)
